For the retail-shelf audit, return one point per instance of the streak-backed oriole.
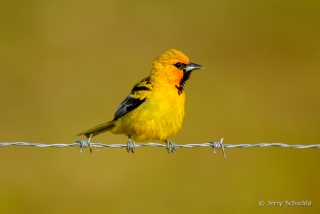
(154, 110)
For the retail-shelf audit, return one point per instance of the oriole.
(154, 110)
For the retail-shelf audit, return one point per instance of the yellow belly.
(160, 117)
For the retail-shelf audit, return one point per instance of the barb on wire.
(132, 145)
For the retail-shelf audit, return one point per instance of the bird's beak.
(193, 66)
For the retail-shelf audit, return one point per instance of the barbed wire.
(171, 147)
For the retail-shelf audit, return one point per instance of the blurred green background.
(66, 65)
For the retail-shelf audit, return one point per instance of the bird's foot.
(85, 143)
(171, 146)
(131, 146)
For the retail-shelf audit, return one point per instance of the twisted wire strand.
(132, 146)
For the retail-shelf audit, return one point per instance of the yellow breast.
(160, 117)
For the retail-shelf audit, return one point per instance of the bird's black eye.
(180, 65)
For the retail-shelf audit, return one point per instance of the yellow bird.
(154, 110)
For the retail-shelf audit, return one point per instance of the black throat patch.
(186, 76)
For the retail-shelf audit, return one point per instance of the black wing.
(139, 94)
(127, 105)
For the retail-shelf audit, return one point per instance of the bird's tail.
(99, 129)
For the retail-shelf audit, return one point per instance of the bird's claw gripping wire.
(171, 146)
(131, 146)
(85, 144)
(218, 145)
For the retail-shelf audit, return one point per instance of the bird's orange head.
(173, 67)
